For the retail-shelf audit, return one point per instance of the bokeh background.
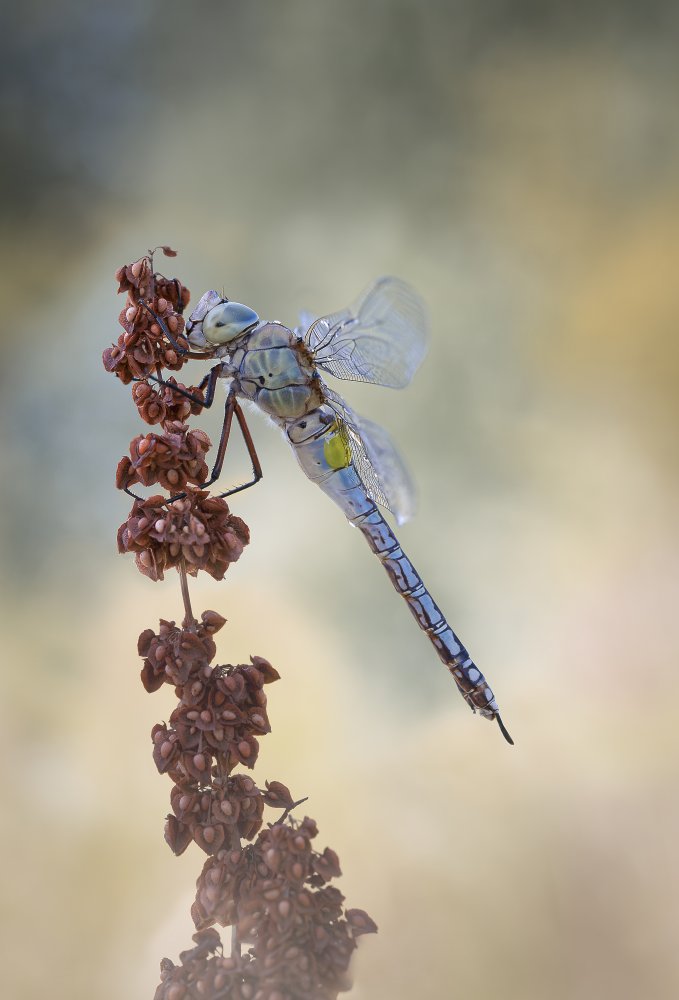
(517, 163)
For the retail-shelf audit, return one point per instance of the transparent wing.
(378, 463)
(382, 338)
(306, 319)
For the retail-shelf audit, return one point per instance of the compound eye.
(227, 321)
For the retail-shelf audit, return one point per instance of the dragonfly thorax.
(270, 367)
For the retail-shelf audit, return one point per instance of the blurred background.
(518, 164)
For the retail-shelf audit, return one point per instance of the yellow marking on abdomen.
(336, 450)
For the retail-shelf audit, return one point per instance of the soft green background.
(518, 163)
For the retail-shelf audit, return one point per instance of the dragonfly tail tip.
(504, 731)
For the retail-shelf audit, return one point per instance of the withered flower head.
(153, 301)
(221, 713)
(160, 404)
(176, 654)
(219, 814)
(136, 278)
(139, 280)
(143, 346)
(203, 973)
(172, 459)
(199, 529)
(276, 893)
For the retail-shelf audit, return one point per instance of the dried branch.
(292, 938)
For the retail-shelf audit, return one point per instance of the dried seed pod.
(198, 531)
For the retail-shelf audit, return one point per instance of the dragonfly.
(381, 339)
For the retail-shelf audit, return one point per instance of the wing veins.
(381, 339)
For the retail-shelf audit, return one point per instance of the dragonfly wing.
(306, 318)
(378, 463)
(382, 338)
(393, 474)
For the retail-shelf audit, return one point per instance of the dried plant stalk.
(292, 938)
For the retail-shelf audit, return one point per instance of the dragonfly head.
(228, 321)
(216, 321)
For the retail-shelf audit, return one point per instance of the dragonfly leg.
(175, 343)
(210, 381)
(249, 444)
(129, 492)
(230, 409)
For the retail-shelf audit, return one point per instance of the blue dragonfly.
(381, 339)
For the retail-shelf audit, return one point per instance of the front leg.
(206, 402)
(182, 351)
(210, 381)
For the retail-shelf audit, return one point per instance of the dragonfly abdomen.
(324, 454)
(406, 580)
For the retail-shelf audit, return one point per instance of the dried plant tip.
(144, 346)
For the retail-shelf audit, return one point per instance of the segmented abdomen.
(472, 684)
(325, 458)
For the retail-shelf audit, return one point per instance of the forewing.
(382, 338)
(378, 463)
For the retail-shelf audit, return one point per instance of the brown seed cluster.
(197, 530)
(214, 728)
(275, 890)
(207, 975)
(172, 459)
(153, 301)
(161, 404)
(276, 893)
(265, 881)
(175, 654)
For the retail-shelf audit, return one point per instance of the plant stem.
(189, 618)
